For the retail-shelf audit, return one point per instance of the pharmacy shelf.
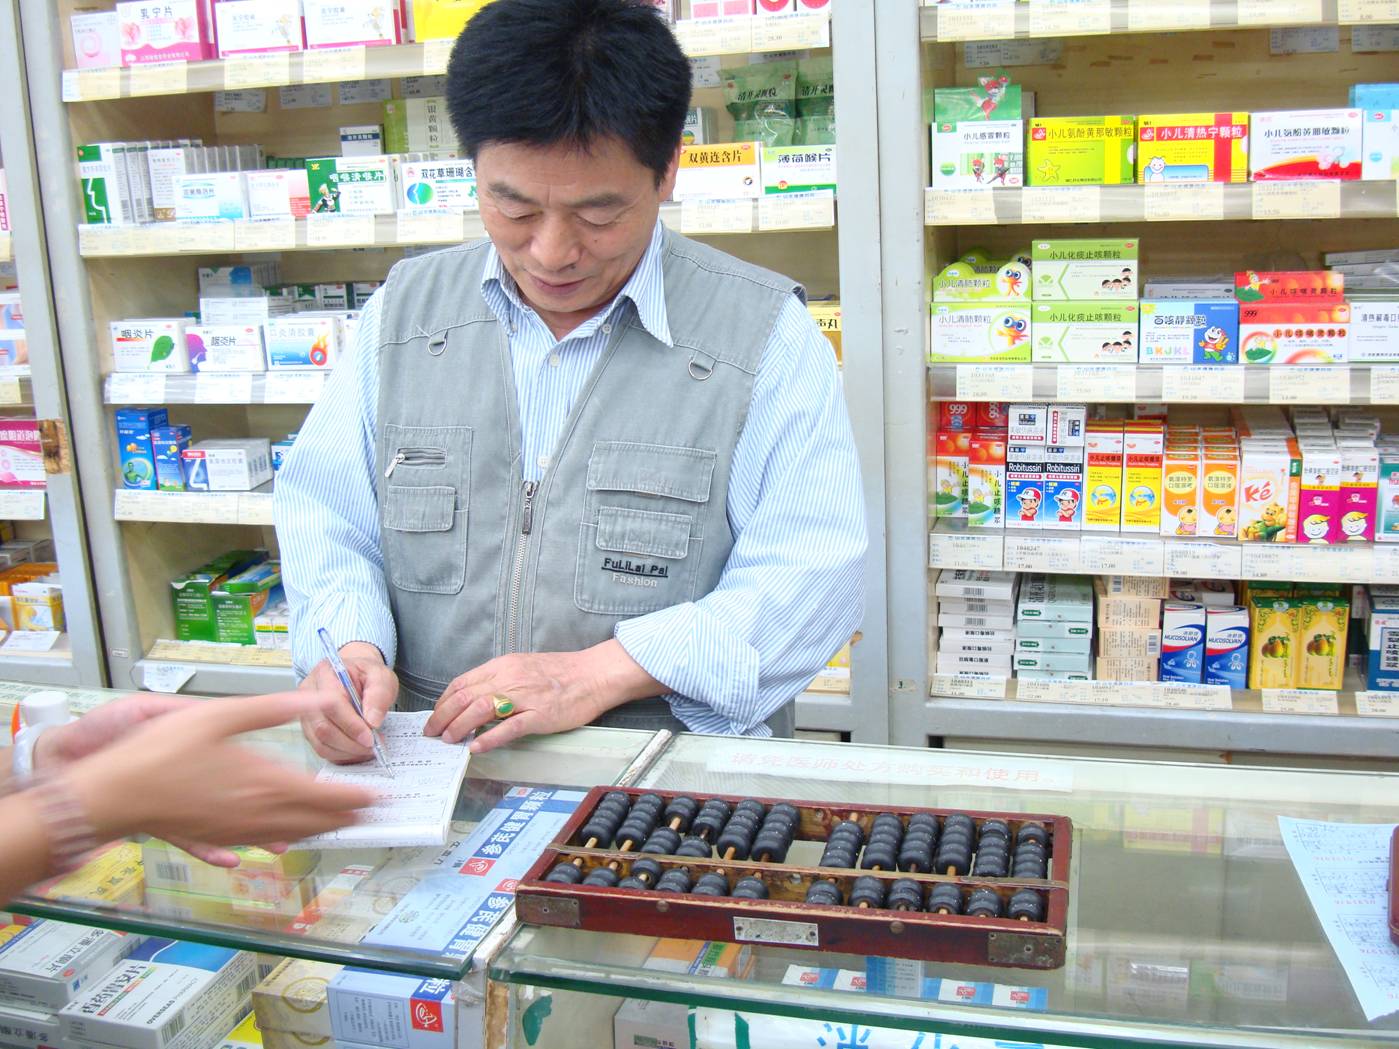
(699, 37)
(1207, 202)
(16, 388)
(779, 213)
(225, 508)
(214, 388)
(54, 667)
(1361, 384)
(215, 670)
(1010, 21)
(28, 504)
(954, 545)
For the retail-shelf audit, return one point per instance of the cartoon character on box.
(1186, 521)
(1013, 330)
(1029, 500)
(1214, 343)
(1067, 501)
(1224, 523)
(1353, 525)
(1315, 528)
(1010, 282)
(1001, 169)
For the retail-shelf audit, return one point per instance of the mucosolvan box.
(1226, 646)
(1085, 332)
(1181, 332)
(1183, 642)
(46, 964)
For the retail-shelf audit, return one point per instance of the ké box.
(1181, 332)
(1085, 270)
(1085, 332)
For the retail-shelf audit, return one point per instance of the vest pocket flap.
(426, 509)
(643, 532)
(652, 469)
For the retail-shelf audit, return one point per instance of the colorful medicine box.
(168, 444)
(1226, 646)
(1192, 147)
(972, 332)
(1374, 331)
(978, 154)
(799, 169)
(1307, 144)
(278, 193)
(173, 30)
(1183, 642)
(229, 464)
(1294, 333)
(350, 185)
(239, 601)
(210, 197)
(443, 19)
(1085, 270)
(438, 184)
(344, 23)
(1380, 143)
(302, 343)
(150, 344)
(1085, 332)
(1180, 332)
(21, 455)
(976, 278)
(251, 26)
(1382, 636)
(225, 348)
(726, 170)
(96, 39)
(1081, 151)
(134, 427)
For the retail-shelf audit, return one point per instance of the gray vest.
(631, 515)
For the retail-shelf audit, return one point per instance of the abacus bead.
(923, 819)
(749, 805)
(893, 837)
(1032, 832)
(737, 842)
(649, 801)
(771, 848)
(683, 809)
(879, 856)
(614, 803)
(838, 856)
(613, 797)
(958, 833)
(945, 896)
(984, 903)
(826, 893)
(1028, 870)
(710, 822)
(847, 827)
(905, 895)
(787, 811)
(633, 833)
(663, 841)
(632, 883)
(887, 819)
(1028, 904)
(958, 819)
(989, 866)
(711, 884)
(911, 856)
(646, 869)
(599, 829)
(696, 847)
(604, 876)
(952, 858)
(750, 889)
(565, 873)
(673, 881)
(869, 891)
(994, 828)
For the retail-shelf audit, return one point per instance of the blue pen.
(338, 665)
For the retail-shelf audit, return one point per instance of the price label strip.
(983, 20)
(1353, 12)
(320, 65)
(1309, 384)
(708, 217)
(1297, 200)
(995, 382)
(784, 211)
(1040, 204)
(1145, 16)
(1097, 382)
(1299, 701)
(1279, 12)
(715, 36)
(336, 231)
(159, 78)
(1199, 559)
(1196, 203)
(1202, 384)
(1070, 17)
(259, 70)
(960, 207)
(975, 549)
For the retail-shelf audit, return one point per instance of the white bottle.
(38, 711)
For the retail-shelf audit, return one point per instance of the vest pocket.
(424, 514)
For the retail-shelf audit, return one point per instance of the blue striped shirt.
(790, 594)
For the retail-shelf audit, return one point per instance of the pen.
(338, 665)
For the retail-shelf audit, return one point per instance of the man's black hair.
(570, 72)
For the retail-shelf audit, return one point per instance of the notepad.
(415, 804)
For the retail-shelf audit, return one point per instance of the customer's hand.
(339, 734)
(100, 727)
(180, 777)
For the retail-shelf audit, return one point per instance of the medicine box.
(112, 877)
(168, 444)
(1294, 333)
(362, 140)
(38, 606)
(1143, 445)
(1183, 642)
(245, 1036)
(976, 584)
(302, 343)
(376, 1008)
(46, 964)
(193, 594)
(152, 344)
(1081, 151)
(167, 995)
(1085, 332)
(1126, 668)
(966, 332)
(228, 464)
(292, 1000)
(28, 1029)
(134, 426)
(174, 30)
(799, 169)
(209, 197)
(1128, 643)
(21, 455)
(1109, 587)
(278, 193)
(1306, 144)
(986, 480)
(249, 26)
(977, 278)
(225, 348)
(1182, 332)
(96, 39)
(720, 8)
(350, 185)
(1056, 662)
(1032, 645)
(1102, 482)
(237, 309)
(1226, 646)
(699, 126)
(1374, 331)
(1063, 488)
(1024, 488)
(438, 184)
(1079, 270)
(722, 170)
(1380, 143)
(1055, 598)
(1382, 637)
(418, 125)
(1043, 628)
(106, 190)
(983, 153)
(1192, 147)
(1360, 468)
(442, 19)
(343, 23)
(239, 600)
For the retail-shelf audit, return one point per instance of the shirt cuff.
(713, 673)
(345, 619)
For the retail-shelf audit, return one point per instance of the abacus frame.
(785, 919)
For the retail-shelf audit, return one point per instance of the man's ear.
(667, 186)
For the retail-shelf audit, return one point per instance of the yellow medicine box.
(1192, 147)
(443, 19)
(827, 318)
(1081, 151)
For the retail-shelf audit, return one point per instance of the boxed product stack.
(978, 134)
(1129, 640)
(1289, 317)
(1226, 631)
(1086, 308)
(265, 890)
(1382, 639)
(969, 463)
(193, 594)
(976, 613)
(1045, 466)
(1297, 634)
(1056, 612)
(981, 310)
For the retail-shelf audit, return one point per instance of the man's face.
(569, 226)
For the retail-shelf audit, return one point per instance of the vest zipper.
(416, 457)
(512, 631)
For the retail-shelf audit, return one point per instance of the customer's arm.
(327, 513)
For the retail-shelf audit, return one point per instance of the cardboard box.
(192, 594)
(724, 170)
(442, 19)
(21, 455)
(46, 964)
(1219, 491)
(1129, 613)
(986, 480)
(1126, 668)
(1102, 483)
(1319, 513)
(238, 602)
(418, 125)
(1129, 643)
(799, 169)
(351, 185)
(1183, 332)
(1294, 333)
(96, 39)
(975, 277)
(218, 195)
(1085, 333)
(1183, 642)
(28, 1029)
(38, 606)
(225, 348)
(1081, 151)
(1027, 423)
(968, 332)
(175, 30)
(1143, 445)
(106, 190)
(1066, 424)
(303, 342)
(977, 585)
(1321, 635)
(362, 140)
(1374, 331)
(438, 184)
(953, 458)
(1306, 144)
(377, 1008)
(1055, 598)
(1269, 491)
(149, 344)
(228, 464)
(967, 155)
(1212, 593)
(251, 26)
(1180, 491)
(1082, 645)
(1192, 147)
(1086, 270)
(1025, 482)
(1112, 587)
(1226, 646)
(1382, 640)
(278, 193)
(1379, 145)
(343, 23)
(293, 1000)
(1043, 628)
(1274, 623)
(245, 1036)
(1359, 492)
(973, 622)
(1062, 509)
(1054, 662)
(699, 126)
(134, 427)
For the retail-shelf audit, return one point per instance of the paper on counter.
(1344, 868)
(415, 804)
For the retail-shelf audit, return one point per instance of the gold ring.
(504, 705)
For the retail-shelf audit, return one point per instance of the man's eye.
(598, 222)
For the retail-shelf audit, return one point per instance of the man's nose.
(555, 247)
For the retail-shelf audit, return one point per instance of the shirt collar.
(645, 289)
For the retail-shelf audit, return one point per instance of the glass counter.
(315, 905)
(1188, 924)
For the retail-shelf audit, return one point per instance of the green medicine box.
(240, 599)
(193, 594)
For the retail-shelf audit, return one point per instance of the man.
(585, 472)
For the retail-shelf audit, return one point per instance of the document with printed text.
(415, 803)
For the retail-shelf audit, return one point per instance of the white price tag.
(16, 505)
(1097, 382)
(159, 78)
(259, 70)
(1279, 12)
(1352, 563)
(223, 388)
(323, 64)
(705, 216)
(1386, 562)
(995, 382)
(1353, 11)
(974, 548)
(1121, 555)
(436, 54)
(1070, 17)
(1029, 690)
(1192, 203)
(797, 211)
(1153, 16)
(1039, 552)
(30, 641)
(1373, 39)
(983, 20)
(1266, 561)
(956, 686)
(430, 227)
(1319, 199)
(715, 36)
(158, 238)
(98, 241)
(1299, 701)
(1309, 384)
(1122, 693)
(254, 508)
(997, 54)
(358, 92)
(82, 85)
(166, 677)
(1384, 384)
(1200, 559)
(791, 32)
(338, 231)
(265, 234)
(240, 101)
(1305, 40)
(135, 388)
(292, 387)
(201, 238)
(1377, 704)
(959, 207)
(1177, 696)
(1202, 384)
(1061, 204)
(11, 392)
(304, 96)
